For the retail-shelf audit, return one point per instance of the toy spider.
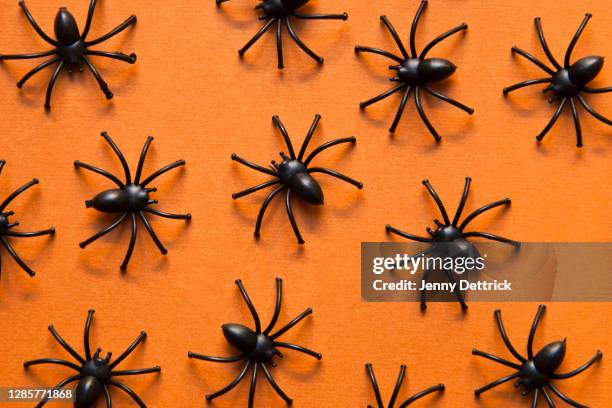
(415, 72)
(447, 232)
(294, 175)
(279, 12)
(400, 380)
(6, 226)
(131, 198)
(95, 373)
(536, 372)
(566, 82)
(257, 347)
(71, 48)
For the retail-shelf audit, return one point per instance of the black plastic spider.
(567, 82)
(132, 197)
(6, 226)
(71, 48)
(294, 175)
(257, 347)
(95, 373)
(400, 380)
(451, 232)
(279, 12)
(536, 372)
(414, 71)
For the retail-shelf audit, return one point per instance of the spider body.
(95, 375)
(294, 175)
(536, 372)
(258, 347)
(566, 82)
(71, 48)
(132, 197)
(281, 8)
(414, 72)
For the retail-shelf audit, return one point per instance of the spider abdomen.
(585, 69)
(131, 198)
(66, 28)
(87, 392)
(307, 188)
(548, 360)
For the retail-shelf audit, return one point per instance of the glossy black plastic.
(6, 226)
(129, 198)
(415, 72)
(71, 48)
(398, 385)
(454, 232)
(95, 375)
(258, 347)
(567, 82)
(280, 12)
(538, 371)
(294, 175)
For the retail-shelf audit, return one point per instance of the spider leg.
(143, 156)
(114, 179)
(86, 343)
(274, 385)
(534, 326)
(496, 383)
(523, 84)
(215, 359)
(417, 100)
(276, 120)
(576, 123)
(154, 236)
(398, 384)
(16, 257)
(484, 208)
(423, 293)
(502, 331)
(294, 225)
(167, 215)
(382, 96)
(306, 141)
(538, 25)
(334, 173)
(57, 387)
(264, 206)
(103, 85)
(299, 42)
(496, 359)
(596, 90)
(129, 391)
(107, 397)
(466, 192)
(139, 371)
(456, 290)
(29, 363)
(549, 400)
(449, 100)
(35, 25)
(327, 145)
(161, 171)
(90, 13)
(17, 192)
(413, 28)
(255, 188)
(279, 43)
(131, 20)
(442, 37)
(533, 59)
(290, 325)
(279, 299)
(437, 200)
(253, 165)
(130, 249)
(253, 385)
(536, 395)
(249, 303)
(114, 55)
(552, 120)
(359, 48)
(439, 387)
(580, 369)
(568, 53)
(34, 71)
(375, 386)
(257, 36)
(104, 231)
(395, 231)
(589, 109)
(27, 56)
(400, 110)
(565, 397)
(129, 350)
(301, 349)
(231, 385)
(492, 237)
(65, 345)
(49, 231)
(396, 37)
(342, 16)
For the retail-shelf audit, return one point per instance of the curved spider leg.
(532, 332)
(161, 171)
(126, 168)
(417, 100)
(492, 237)
(255, 188)
(396, 37)
(253, 385)
(552, 120)
(592, 111)
(449, 100)
(35, 25)
(363, 105)
(129, 391)
(496, 359)
(299, 42)
(565, 397)
(301, 349)
(343, 16)
(65, 345)
(16, 257)
(466, 192)
(139, 371)
(423, 293)
(568, 53)
(86, 343)
(456, 291)
(294, 225)
(548, 399)
(254, 166)
(215, 359)
(130, 249)
(442, 37)
(104, 231)
(413, 28)
(274, 385)
(152, 233)
(292, 323)
(523, 84)
(141, 160)
(27, 56)
(276, 120)
(476, 213)
(2, 164)
(596, 90)
(395, 231)
(129, 350)
(536, 395)
(507, 342)
(107, 397)
(398, 384)
(311, 132)
(375, 386)
(17, 192)
(533, 59)
(551, 58)
(327, 145)
(439, 387)
(496, 383)
(34, 71)
(103, 85)
(263, 208)
(257, 36)
(249, 303)
(130, 59)
(334, 173)
(576, 122)
(580, 369)
(436, 198)
(29, 363)
(400, 110)
(131, 20)
(62, 384)
(230, 386)
(360, 48)
(279, 43)
(113, 178)
(167, 215)
(90, 13)
(279, 299)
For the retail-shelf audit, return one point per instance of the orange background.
(191, 91)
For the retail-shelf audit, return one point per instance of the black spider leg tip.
(82, 59)
(530, 356)
(89, 356)
(286, 20)
(273, 171)
(402, 86)
(273, 337)
(122, 186)
(398, 385)
(7, 227)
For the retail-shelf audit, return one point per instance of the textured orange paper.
(192, 92)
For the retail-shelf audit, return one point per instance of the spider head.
(446, 233)
(66, 28)
(550, 357)
(585, 69)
